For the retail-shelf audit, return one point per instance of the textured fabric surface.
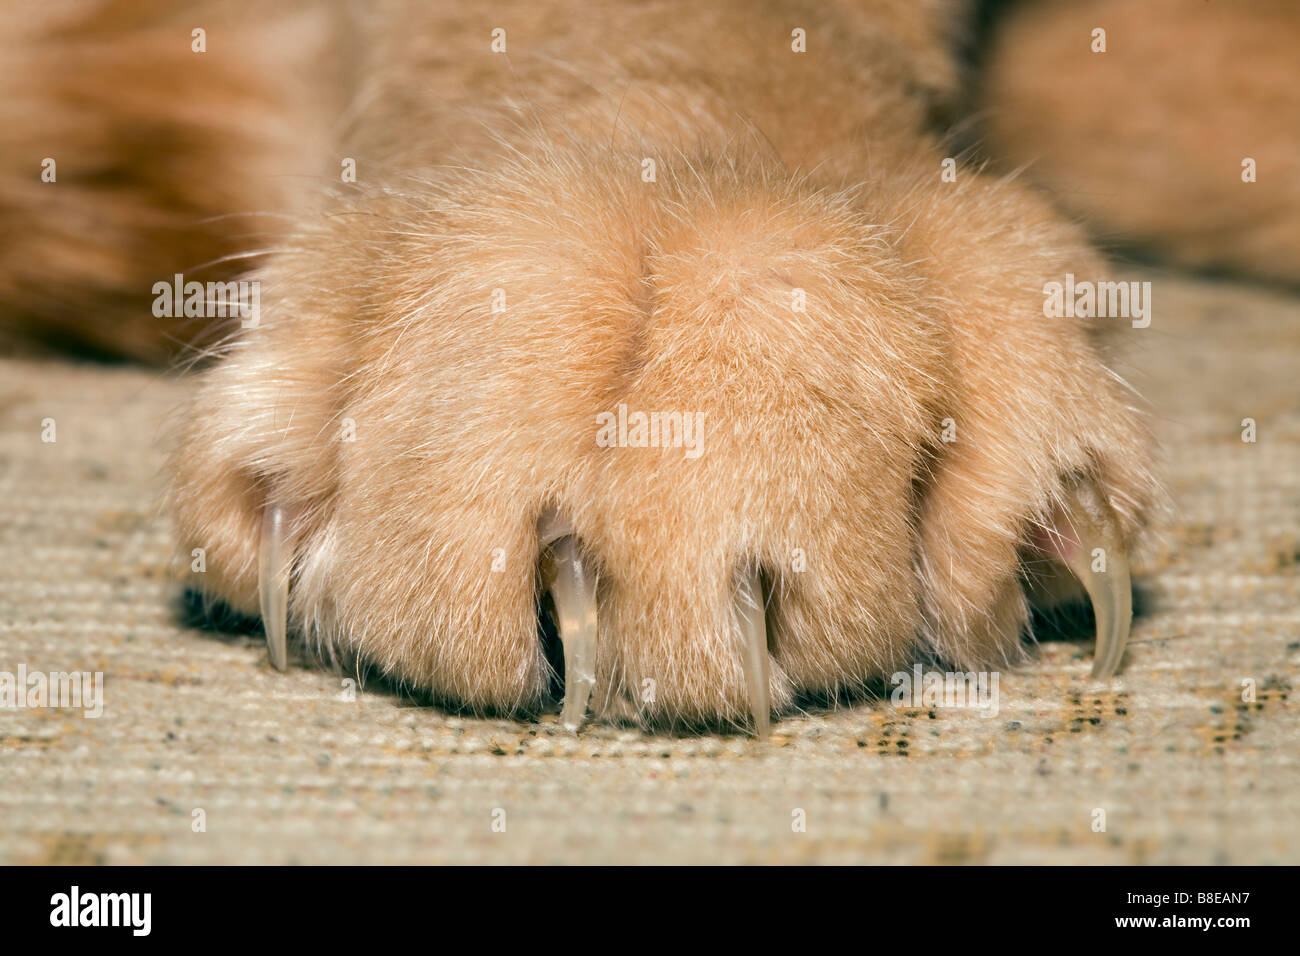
(287, 769)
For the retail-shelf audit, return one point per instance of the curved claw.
(1112, 603)
(273, 566)
(1090, 544)
(572, 587)
(753, 651)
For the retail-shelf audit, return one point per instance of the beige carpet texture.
(205, 754)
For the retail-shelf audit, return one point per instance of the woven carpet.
(286, 768)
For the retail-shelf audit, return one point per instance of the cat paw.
(740, 438)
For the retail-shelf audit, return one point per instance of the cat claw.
(1089, 542)
(571, 582)
(273, 567)
(753, 651)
